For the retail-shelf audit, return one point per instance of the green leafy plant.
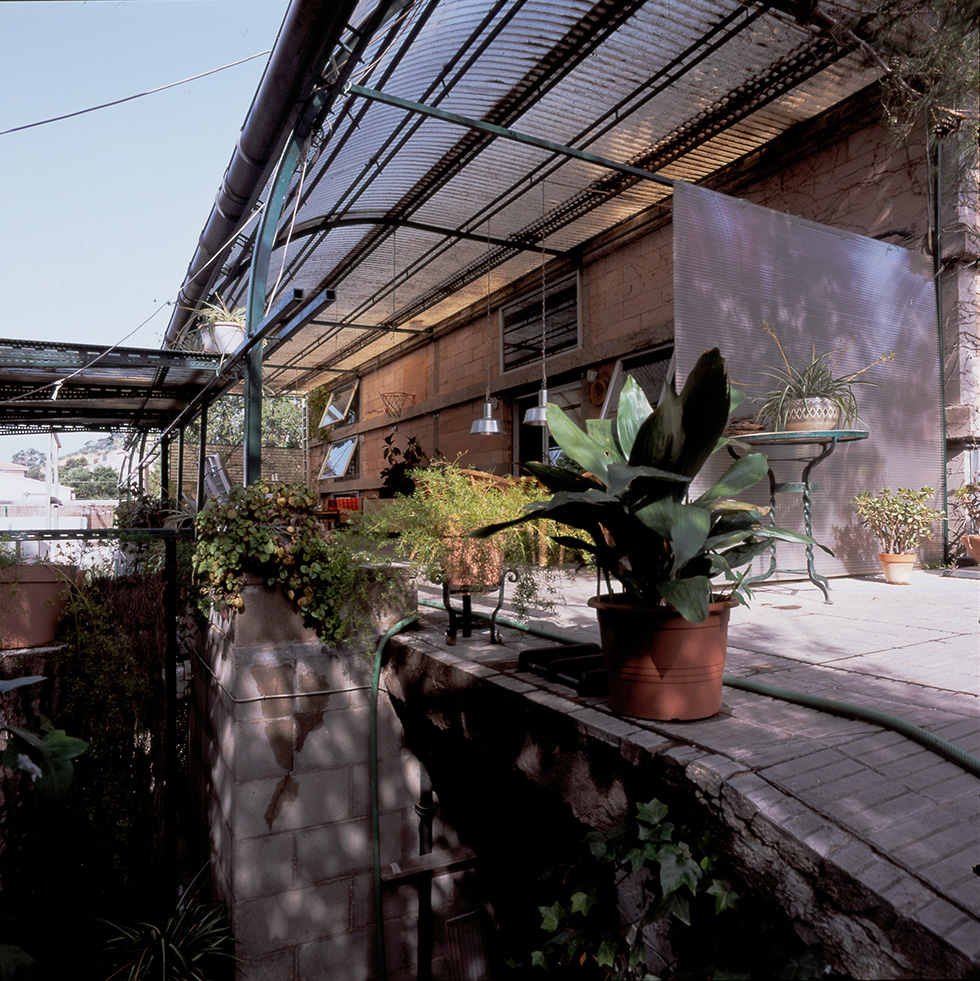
(434, 526)
(194, 944)
(45, 756)
(396, 478)
(271, 530)
(814, 378)
(588, 926)
(219, 311)
(632, 499)
(967, 500)
(900, 521)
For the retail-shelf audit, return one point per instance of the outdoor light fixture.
(486, 425)
(538, 414)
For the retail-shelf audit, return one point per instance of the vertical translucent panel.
(737, 266)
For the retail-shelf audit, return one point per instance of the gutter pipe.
(309, 30)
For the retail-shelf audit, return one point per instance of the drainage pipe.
(379, 922)
(847, 710)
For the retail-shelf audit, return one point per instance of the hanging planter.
(222, 328)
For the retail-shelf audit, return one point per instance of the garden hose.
(379, 928)
(950, 752)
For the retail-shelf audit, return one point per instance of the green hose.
(844, 709)
(379, 929)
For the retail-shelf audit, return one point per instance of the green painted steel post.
(257, 286)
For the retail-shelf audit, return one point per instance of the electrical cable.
(129, 98)
(847, 710)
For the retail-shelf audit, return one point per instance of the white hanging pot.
(222, 337)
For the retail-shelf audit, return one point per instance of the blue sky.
(100, 214)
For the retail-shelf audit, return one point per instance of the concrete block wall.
(282, 772)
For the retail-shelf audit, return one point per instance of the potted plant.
(664, 636)
(33, 595)
(810, 395)
(435, 522)
(967, 500)
(267, 535)
(900, 521)
(222, 327)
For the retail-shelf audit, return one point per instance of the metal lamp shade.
(487, 425)
(538, 415)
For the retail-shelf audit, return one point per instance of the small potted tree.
(664, 635)
(811, 394)
(900, 521)
(967, 500)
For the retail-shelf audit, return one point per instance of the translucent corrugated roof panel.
(402, 213)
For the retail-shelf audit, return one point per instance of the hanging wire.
(129, 98)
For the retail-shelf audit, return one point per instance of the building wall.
(843, 170)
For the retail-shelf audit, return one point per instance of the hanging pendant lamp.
(486, 425)
(538, 415)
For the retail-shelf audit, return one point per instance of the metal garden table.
(819, 445)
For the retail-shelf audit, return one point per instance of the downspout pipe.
(309, 30)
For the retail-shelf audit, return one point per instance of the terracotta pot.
(972, 544)
(811, 415)
(473, 566)
(897, 568)
(32, 598)
(658, 664)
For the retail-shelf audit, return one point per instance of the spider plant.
(815, 378)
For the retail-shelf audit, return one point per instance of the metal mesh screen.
(737, 265)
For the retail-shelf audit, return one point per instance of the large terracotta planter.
(658, 664)
(32, 598)
(972, 544)
(897, 568)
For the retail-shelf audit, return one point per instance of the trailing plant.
(585, 926)
(195, 943)
(632, 498)
(900, 521)
(654, 885)
(434, 526)
(271, 530)
(817, 377)
(396, 478)
(218, 310)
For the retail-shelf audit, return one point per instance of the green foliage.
(99, 483)
(967, 500)
(218, 310)
(271, 530)
(396, 478)
(585, 926)
(631, 500)
(282, 422)
(814, 378)
(434, 526)
(900, 521)
(35, 461)
(194, 944)
(46, 758)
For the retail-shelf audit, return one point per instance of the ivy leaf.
(725, 898)
(551, 917)
(678, 869)
(606, 954)
(651, 813)
(582, 902)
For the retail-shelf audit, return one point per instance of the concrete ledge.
(808, 819)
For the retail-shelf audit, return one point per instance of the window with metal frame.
(341, 407)
(520, 324)
(341, 459)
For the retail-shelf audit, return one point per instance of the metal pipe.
(937, 266)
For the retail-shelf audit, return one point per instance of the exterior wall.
(842, 170)
(283, 785)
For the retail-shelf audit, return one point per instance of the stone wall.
(281, 771)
